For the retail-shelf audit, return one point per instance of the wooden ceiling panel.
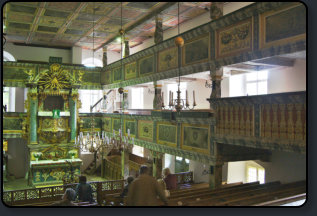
(16, 17)
(71, 23)
(63, 6)
(51, 21)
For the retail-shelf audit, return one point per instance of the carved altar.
(51, 125)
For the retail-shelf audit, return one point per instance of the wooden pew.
(248, 197)
(202, 195)
(282, 201)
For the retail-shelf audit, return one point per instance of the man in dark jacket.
(84, 190)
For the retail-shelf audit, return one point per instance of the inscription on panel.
(196, 51)
(167, 59)
(145, 130)
(195, 138)
(146, 65)
(130, 124)
(167, 134)
(107, 124)
(130, 71)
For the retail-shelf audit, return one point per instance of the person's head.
(130, 179)
(69, 194)
(166, 171)
(144, 170)
(82, 179)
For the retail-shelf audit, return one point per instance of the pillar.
(158, 34)
(125, 164)
(157, 164)
(73, 114)
(126, 49)
(33, 115)
(216, 10)
(157, 101)
(216, 77)
(104, 57)
(215, 176)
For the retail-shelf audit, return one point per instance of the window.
(89, 98)
(137, 98)
(253, 83)
(255, 174)
(256, 83)
(92, 62)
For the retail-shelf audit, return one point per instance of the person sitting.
(67, 198)
(126, 188)
(169, 179)
(84, 190)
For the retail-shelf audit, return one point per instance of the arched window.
(92, 62)
(7, 56)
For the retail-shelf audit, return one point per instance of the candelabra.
(178, 104)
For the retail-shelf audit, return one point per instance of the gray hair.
(70, 194)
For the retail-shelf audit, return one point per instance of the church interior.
(214, 91)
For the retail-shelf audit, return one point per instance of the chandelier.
(94, 143)
(179, 104)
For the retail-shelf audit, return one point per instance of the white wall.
(288, 79)
(38, 53)
(225, 87)
(197, 168)
(201, 94)
(236, 172)
(285, 167)
(17, 157)
(169, 161)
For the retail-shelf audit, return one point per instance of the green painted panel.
(107, 124)
(167, 133)
(196, 51)
(116, 124)
(12, 124)
(130, 71)
(145, 130)
(117, 75)
(130, 124)
(195, 137)
(15, 73)
(91, 77)
(167, 59)
(146, 65)
(286, 24)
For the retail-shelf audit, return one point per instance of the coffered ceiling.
(67, 24)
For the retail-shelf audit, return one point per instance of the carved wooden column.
(33, 103)
(157, 164)
(158, 34)
(104, 57)
(215, 176)
(216, 10)
(126, 48)
(73, 114)
(125, 164)
(157, 102)
(216, 77)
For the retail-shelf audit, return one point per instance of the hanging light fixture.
(178, 104)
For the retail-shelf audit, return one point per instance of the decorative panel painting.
(105, 77)
(196, 51)
(107, 124)
(146, 66)
(17, 74)
(195, 138)
(130, 71)
(284, 26)
(234, 39)
(12, 125)
(130, 124)
(145, 130)
(167, 59)
(166, 133)
(116, 124)
(117, 75)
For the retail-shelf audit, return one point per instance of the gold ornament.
(179, 41)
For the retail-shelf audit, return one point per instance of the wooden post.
(99, 193)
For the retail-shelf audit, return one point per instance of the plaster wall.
(236, 172)
(169, 161)
(201, 94)
(37, 53)
(87, 160)
(288, 79)
(197, 168)
(285, 167)
(17, 157)
(19, 99)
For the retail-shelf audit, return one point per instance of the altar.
(50, 172)
(51, 125)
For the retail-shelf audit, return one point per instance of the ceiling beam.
(277, 61)
(39, 13)
(69, 20)
(142, 20)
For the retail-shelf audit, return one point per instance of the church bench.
(201, 195)
(237, 197)
(282, 201)
(282, 191)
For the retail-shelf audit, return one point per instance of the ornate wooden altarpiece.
(51, 125)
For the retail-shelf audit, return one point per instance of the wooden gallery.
(214, 91)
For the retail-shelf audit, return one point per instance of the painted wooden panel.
(145, 130)
(16, 73)
(116, 124)
(107, 124)
(166, 133)
(116, 75)
(196, 50)
(168, 59)
(195, 138)
(283, 26)
(146, 66)
(234, 39)
(130, 71)
(130, 124)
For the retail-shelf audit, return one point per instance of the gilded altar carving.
(53, 130)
